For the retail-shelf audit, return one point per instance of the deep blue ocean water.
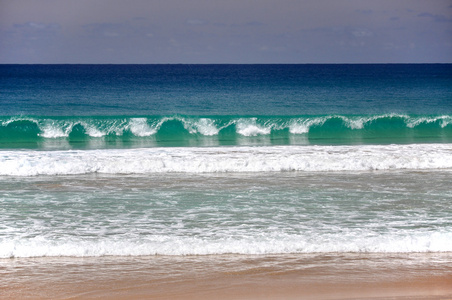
(217, 159)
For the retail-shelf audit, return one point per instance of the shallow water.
(242, 213)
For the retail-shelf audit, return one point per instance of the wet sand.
(326, 276)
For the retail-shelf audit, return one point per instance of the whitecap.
(140, 127)
(249, 127)
(228, 159)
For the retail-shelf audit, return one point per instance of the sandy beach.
(326, 276)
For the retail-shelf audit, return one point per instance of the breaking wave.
(226, 159)
(222, 130)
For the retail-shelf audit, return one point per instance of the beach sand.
(325, 276)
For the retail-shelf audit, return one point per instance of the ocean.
(182, 160)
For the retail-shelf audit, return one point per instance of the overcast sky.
(229, 31)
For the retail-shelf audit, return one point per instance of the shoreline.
(285, 276)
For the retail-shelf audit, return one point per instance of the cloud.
(105, 29)
(38, 26)
(266, 48)
(365, 11)
(436, 18)
(196, 22)
(35, 30)
(254, 23)
(127, 29)
(360, 33)
(240, 31)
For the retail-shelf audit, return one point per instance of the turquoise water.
(41, 132)
(215, 159)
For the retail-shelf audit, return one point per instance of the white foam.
(93, 131)
(264, 243)
(303, 125)
(18, 119)
(357, 123)
(227, 159)
(413, 122)
(203, 126)
(360, 122)
(140, 127)
(207, 127)
(53, 129)
(249, 127)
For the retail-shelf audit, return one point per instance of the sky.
(225, 31)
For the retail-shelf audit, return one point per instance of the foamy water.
(183, 214)
(227, 159)
(271, 244)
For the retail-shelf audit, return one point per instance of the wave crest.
(386, 128)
